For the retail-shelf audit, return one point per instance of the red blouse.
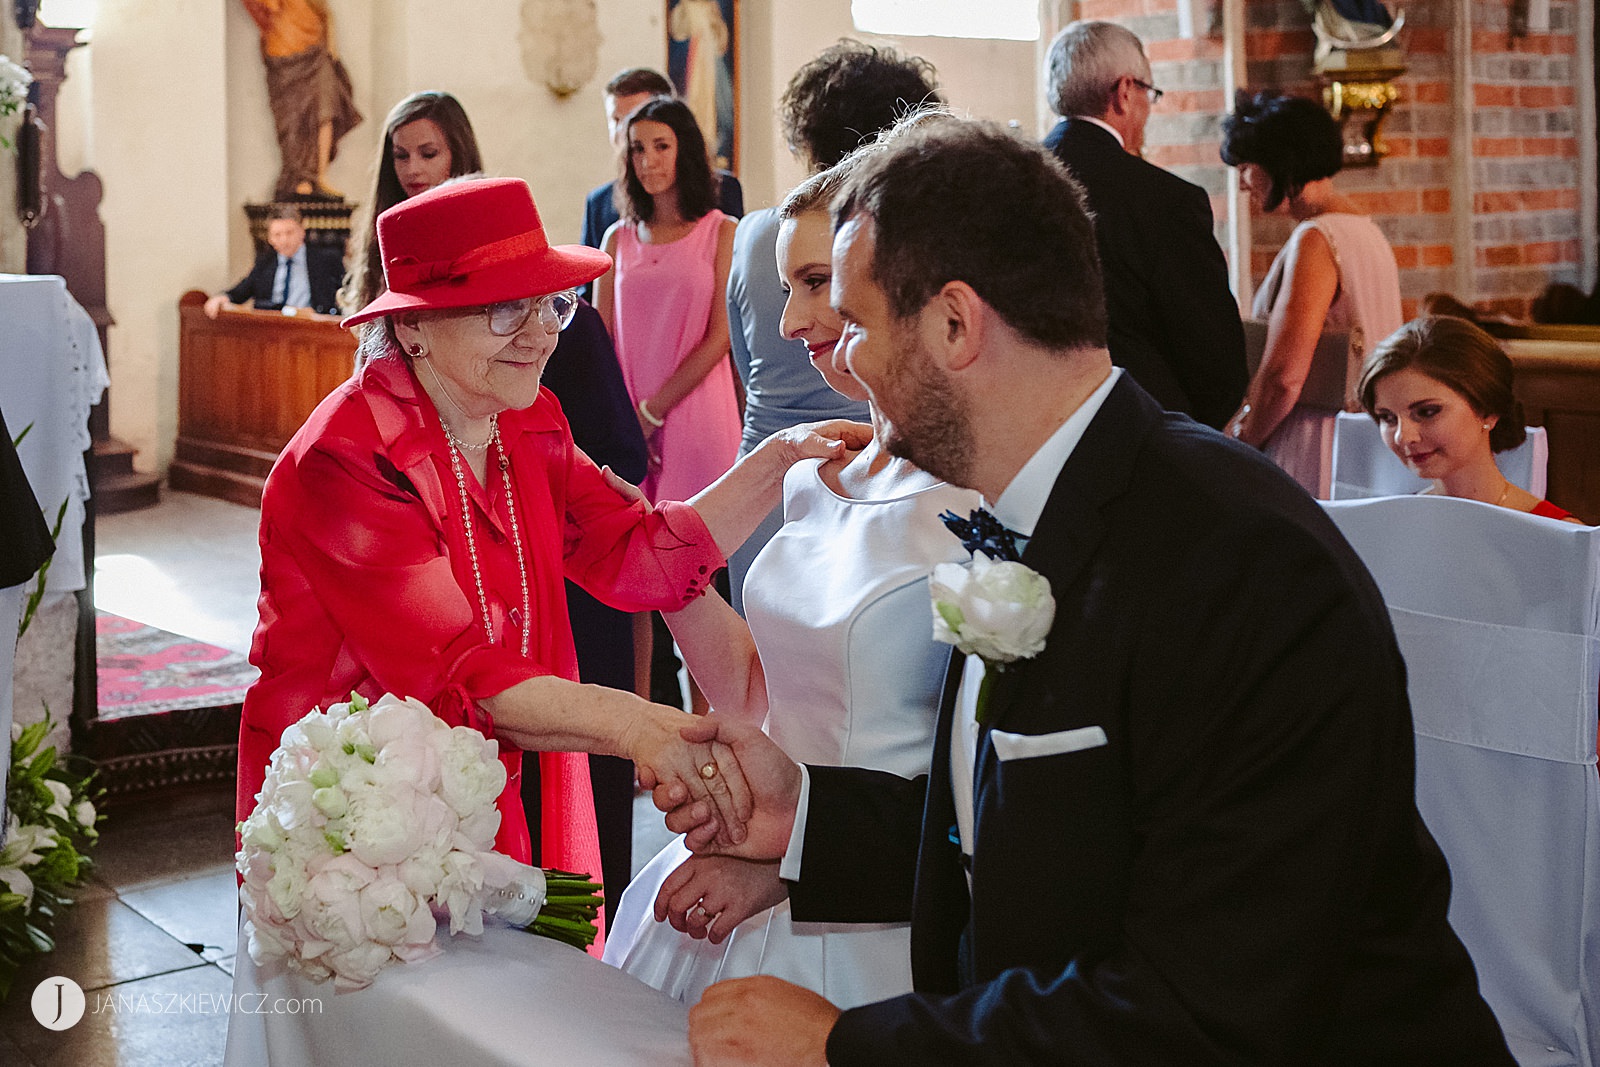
(366, 584)
(1550, 511)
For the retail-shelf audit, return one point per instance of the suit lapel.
(1071, 527)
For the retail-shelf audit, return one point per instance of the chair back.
(1498, 616)
(1364, 467)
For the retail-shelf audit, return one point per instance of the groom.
(1184, 831)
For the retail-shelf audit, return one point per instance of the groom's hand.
(774, 782)
(761, 1020)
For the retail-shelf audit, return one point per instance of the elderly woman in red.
(416, 530)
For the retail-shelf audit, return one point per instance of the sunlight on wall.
(1013, 20)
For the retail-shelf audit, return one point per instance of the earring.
(417, 351)
(1486, 426)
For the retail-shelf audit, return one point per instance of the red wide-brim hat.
(469, 243)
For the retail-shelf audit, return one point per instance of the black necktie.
(288, 272)
(982, 532)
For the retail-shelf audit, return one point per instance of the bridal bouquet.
(370, 818)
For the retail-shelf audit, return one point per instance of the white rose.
(84, 813)
(1000, 611)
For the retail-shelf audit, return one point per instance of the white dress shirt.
(1019, 507)
(299, 294)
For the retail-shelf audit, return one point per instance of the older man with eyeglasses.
(1174, 324)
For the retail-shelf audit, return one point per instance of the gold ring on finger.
(708, 771)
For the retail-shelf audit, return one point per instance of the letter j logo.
(58, 1003)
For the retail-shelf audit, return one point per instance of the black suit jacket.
(25, 541)
(1239, 874)
(324, 265)
(1173, 321)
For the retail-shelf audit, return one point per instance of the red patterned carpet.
(144, 670)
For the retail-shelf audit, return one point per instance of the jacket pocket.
(1009, 746)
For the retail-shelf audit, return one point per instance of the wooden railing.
(1558, 382)
(247, 380)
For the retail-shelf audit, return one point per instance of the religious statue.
(1351, 25)
(706, 78)
(309, 89)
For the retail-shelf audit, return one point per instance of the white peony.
(1000, 611)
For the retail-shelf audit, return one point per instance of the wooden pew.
(1558, 382)
(247, 380)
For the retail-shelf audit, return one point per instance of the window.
(1014, 20)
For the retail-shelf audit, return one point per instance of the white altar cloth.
(507, 999)
(52, 372)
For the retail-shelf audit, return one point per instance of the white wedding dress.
(838, 606)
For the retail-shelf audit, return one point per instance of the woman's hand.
(813, 440)
(703, 771)
(625, 489)
(707, 896)
(734, 505)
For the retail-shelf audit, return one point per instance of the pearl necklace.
(456, 448)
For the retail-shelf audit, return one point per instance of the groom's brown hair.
(956, 199)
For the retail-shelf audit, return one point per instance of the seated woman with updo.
(1440, 390)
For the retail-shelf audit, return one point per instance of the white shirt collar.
(1022, 502)
(1103, 126)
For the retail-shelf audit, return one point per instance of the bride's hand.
(697, 772)
(707, 896)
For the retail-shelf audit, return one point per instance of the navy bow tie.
(982, 532)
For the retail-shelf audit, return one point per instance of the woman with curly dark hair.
(1336, 275)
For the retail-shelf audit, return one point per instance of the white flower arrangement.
(49, 829)
(1000, 611)
(369, 817)
(14, 82)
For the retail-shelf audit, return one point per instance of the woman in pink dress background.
(663, 301)
(1336, 275)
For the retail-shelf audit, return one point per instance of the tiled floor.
(154, 932)
(150, 941)
(151, 938)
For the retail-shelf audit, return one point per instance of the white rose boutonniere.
(1000, 611)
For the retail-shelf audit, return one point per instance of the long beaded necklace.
(457, 447)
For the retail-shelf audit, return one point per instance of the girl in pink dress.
(663, 301)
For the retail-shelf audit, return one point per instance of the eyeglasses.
(1155, 94)
(555, 312)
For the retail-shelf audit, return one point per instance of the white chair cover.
(1364, 467)
(1498, 616)
(507, 999)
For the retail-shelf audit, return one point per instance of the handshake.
(737, 818)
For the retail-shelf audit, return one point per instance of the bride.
(839, 661)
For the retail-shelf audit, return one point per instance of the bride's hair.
(817, 192)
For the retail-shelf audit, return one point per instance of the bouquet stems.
(571, 905)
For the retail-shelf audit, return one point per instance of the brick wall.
(1519, 185)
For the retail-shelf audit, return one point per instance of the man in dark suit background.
(623, 93)
(288, 272)
(1174, 323)
(1184, 831)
